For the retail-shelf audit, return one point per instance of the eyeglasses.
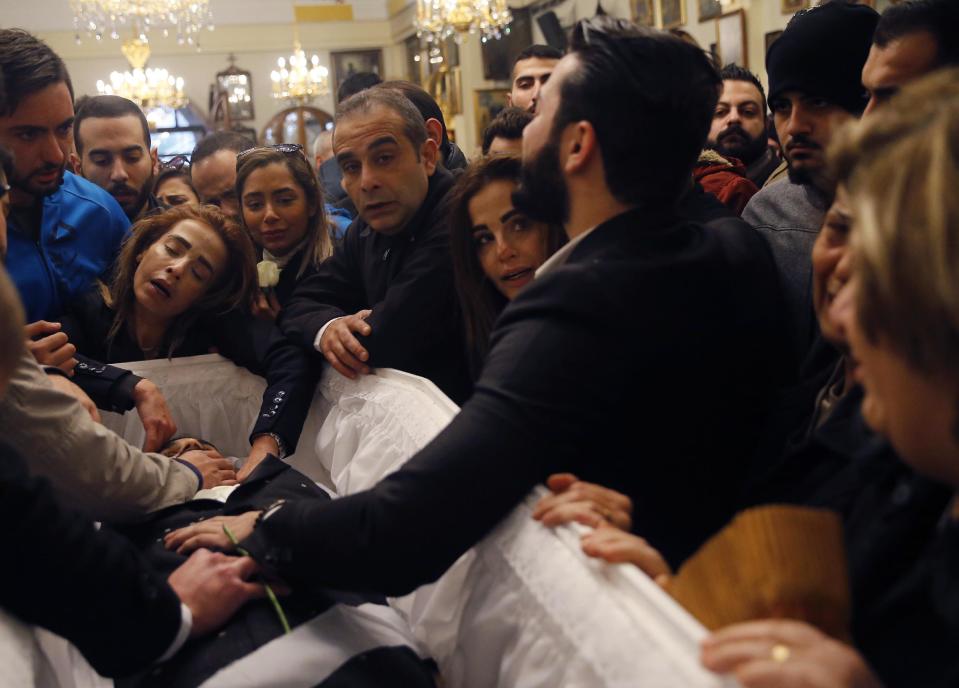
(177, 162)
(285, 148)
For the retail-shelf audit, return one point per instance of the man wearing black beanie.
(814, 72)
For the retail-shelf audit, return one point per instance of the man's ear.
(578, 146)
(434, 130)
(429, 154)
(154, 155)
(75, 164)
(509, 98)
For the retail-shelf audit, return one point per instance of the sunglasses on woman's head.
(285, 148)
(177, 162)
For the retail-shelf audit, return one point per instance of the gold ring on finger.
(780, 653)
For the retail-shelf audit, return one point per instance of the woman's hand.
(261, 447)
(209, 533)
(780, 653)
(154, 414)
(619, 547)
(266, 306)
(582, 502)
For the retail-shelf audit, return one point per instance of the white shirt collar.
(559, 258)
(281, 261)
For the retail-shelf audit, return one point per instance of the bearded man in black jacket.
(642, 357)
(385, 297)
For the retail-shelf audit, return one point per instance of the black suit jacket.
(644, 363)
(93, 588)
(407, 279)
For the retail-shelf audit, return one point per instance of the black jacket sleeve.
(291, 373)
(526, 419)
(93, 588)
(334, 290)
(109, 387)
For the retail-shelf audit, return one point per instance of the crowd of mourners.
(647, 292)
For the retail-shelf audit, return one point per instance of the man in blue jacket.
(64, 231)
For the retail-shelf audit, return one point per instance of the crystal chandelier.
(299, 80)
(437, 20)
(148, 88)
(184, 18)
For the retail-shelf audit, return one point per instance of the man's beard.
(132, 210)
(804, 175)
(28, 186)
(746, 150)
(542, 193)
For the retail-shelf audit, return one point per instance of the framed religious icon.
(349, 62)
(731, 39)
(643, 12)
(790, 6)
(673, 13)
(709, 9)
(488, 102)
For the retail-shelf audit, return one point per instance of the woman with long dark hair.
(183, 286)
(496, 249)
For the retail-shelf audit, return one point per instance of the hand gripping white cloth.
(525, 607)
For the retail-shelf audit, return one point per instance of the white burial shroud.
(524, 607)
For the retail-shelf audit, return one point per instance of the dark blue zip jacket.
(81, 230)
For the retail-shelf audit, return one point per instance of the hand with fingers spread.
(342, 349)
(215, 469)
(214, 586)
(780, 653)
(154, 414)
(67, 387)
(50, 346)
(582, 502)
(210, 533)
(620, 547)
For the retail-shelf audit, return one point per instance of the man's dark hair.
(414, 125)
(543, 52)
(939, 17)
(6, 163)
(651, 121)
(28, 65)
(733, 72)
(355, 83)
(217, 141)
(110, 107)
(508, 124)
(422, 101)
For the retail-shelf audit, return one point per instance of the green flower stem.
(269, 591)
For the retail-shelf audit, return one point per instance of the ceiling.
(56, 15)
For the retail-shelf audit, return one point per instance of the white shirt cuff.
(186, 625)
(319, 335)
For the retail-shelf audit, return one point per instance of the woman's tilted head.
(281, 202)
